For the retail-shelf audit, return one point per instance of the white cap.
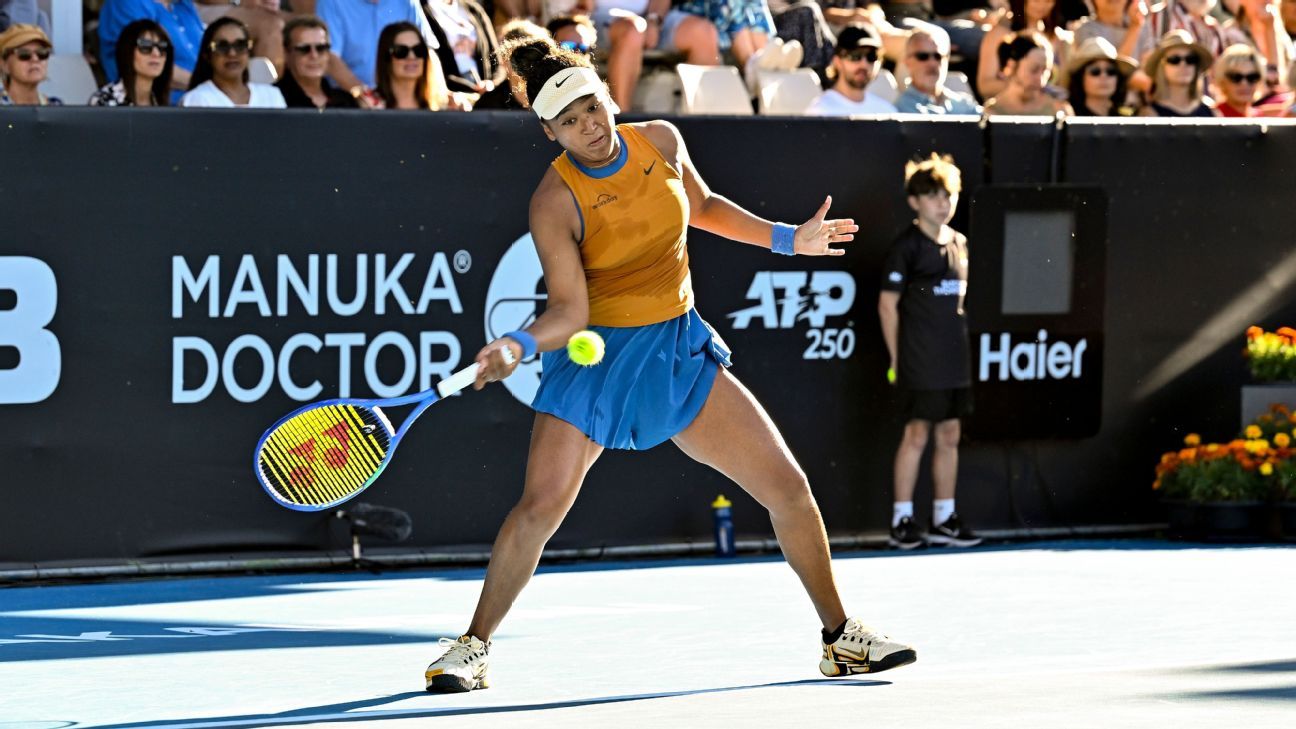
(565, 87)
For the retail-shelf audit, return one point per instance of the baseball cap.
(20, 34)
(857, 36)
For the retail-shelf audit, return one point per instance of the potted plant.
(1219, 491)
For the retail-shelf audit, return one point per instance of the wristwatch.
(654, 18)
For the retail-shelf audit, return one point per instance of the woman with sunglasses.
(24, 63)
(1238, 76)
(146, 62)
(304, 83)
(1176, 68)
(220, 78)
(1097, 78)
(409, 77)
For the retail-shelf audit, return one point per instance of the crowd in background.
(1188, 58)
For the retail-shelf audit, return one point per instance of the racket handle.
(466, 376)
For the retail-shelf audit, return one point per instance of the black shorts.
(937, 405)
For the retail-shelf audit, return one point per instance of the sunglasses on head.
(26, 54)
(235, 48)
(147, 46)
(925, 56)
(860, 54)
(400, 52)
(1190, 59)
(575, 47)
(320, 48)
(1096, 71)
(1252, 78)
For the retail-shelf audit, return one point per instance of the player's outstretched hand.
(816, 236)
(493, 364)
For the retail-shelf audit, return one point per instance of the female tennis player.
(609, 221)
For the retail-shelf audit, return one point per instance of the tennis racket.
(325, 453)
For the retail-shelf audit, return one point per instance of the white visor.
(565, 87)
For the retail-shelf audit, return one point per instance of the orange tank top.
(634, 214)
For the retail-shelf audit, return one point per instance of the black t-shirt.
(932, 280)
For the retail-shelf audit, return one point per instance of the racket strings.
(325, 454)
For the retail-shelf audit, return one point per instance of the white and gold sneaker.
(860, 649)
(461, 668)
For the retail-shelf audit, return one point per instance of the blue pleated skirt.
(651, 384)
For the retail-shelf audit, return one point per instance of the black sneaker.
(953, 534)
(905, 535)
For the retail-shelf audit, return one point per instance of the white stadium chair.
(788, 93)
(713, 90)
(958, 81)
(885, 86)
(262, 71)
(70, 79)
(657, 92)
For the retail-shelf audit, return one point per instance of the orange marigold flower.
(1280, 409)
(1253, 331)
(1287, 332)
(1253, 432)
(1156, 484)
(1192, 439)
(1266, 469)
(1188, 454)
(1282, 440)
(1247, 464)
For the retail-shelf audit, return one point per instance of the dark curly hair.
(533, 61)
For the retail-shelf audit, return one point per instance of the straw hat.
(20, 34)
(1177, 39)
(1095, 49)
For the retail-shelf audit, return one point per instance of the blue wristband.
(784, 239)
(527, 341)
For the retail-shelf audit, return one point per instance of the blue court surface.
(1061, 634)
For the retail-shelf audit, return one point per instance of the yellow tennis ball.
(585, 348)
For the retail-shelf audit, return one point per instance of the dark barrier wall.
(172, 256)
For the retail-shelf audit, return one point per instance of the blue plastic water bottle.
(724, 530)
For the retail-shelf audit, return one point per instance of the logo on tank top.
(604, 199)
(514, 299)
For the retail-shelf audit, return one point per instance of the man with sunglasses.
(307, 51)
(927, 59)
(24, 63)
(856, 60)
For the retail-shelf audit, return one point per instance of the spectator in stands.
(576, 33)
(856, 61)
(23, 12)
(744, 27)
(1027, 59)
(178, 17)
(1119, 22)
(24, 63)
(220, 78)
(408, 73)
(1256, 23)
(355, 25)
(1238, 73)
(146, 61)
(264, 19)
(927, 60)
(304, 83)
(628, 27)
(1035, 16)
(1176, 68)
(1097, 79)
(467, 51)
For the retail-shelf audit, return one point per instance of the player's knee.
(792, 493)
(915, 437)
(948, 434)
(543, 512)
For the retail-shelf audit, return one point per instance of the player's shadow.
(353, 710)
